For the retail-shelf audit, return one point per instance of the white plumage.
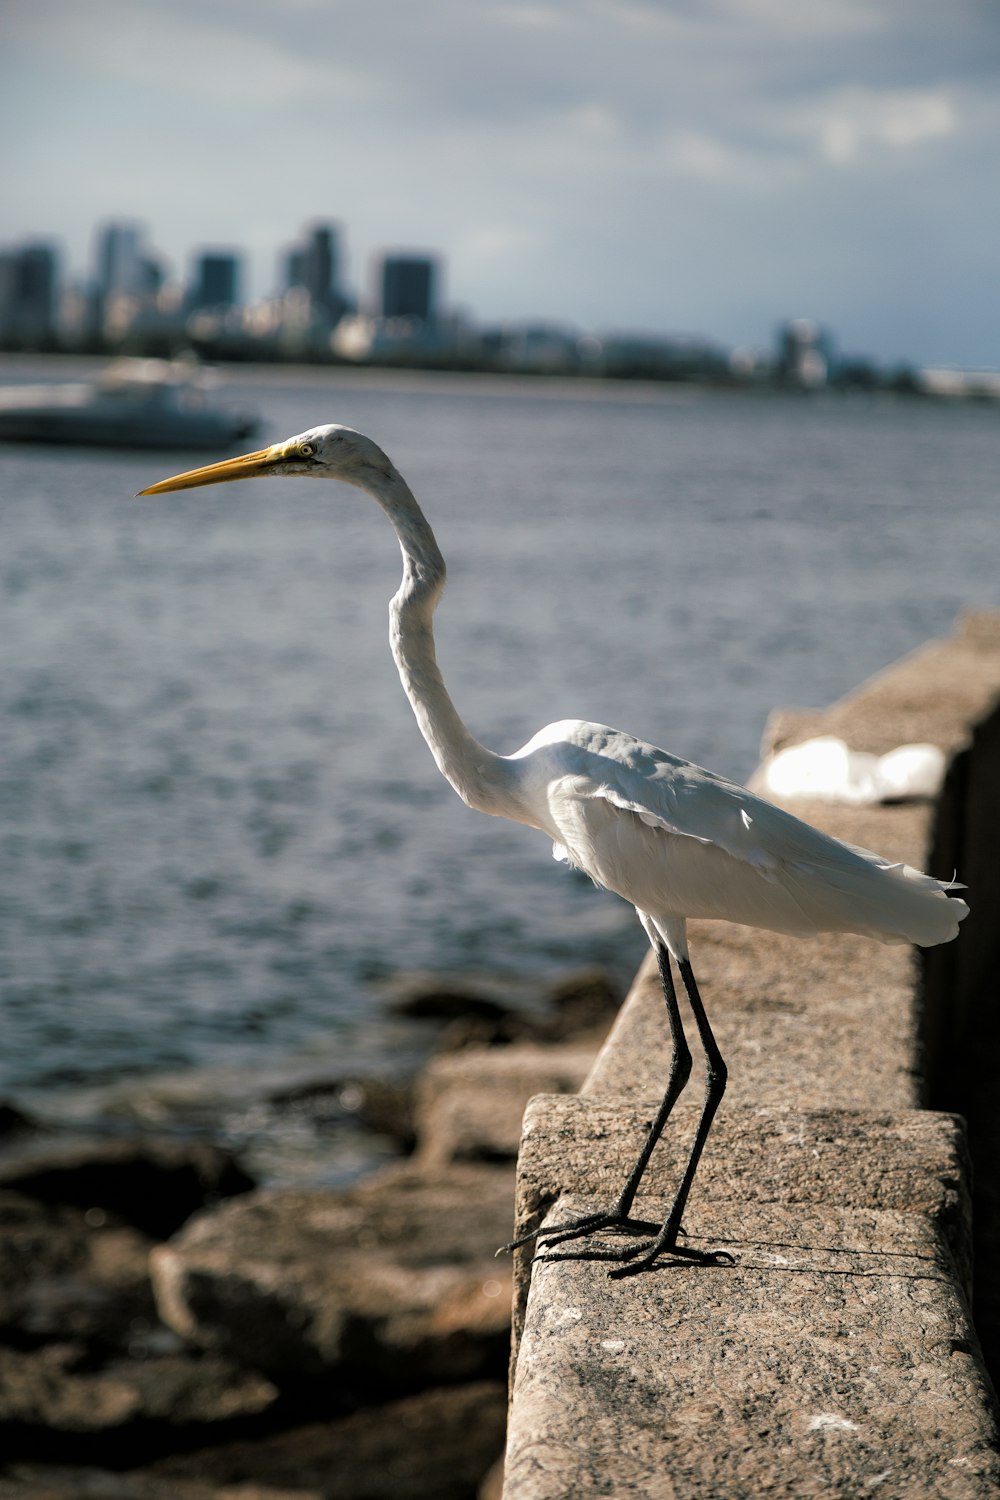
(678, 841)
(671, 838)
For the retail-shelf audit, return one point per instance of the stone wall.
(837, 1355)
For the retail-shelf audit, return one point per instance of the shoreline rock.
(167, 1327)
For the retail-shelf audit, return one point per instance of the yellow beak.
(247, 466)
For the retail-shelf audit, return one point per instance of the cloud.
(204, 54)
(605, 159)
(847, 125)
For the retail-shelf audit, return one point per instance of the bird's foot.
(629, 1260)
(577, 1228)
(614, 1219)
(642, 1257)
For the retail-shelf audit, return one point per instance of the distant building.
(407, 288)
(320, 264)
(128, 279)
(656, 356)
(295, 271)
(29, 279)
(545, 348)
(804, 354)
(314, 266)
(120, 263)
(215, 282)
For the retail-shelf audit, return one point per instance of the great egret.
(674, 840)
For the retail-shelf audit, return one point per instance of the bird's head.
(329, 452)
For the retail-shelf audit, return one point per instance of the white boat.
(134, 403)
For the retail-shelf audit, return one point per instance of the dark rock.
(99, 1484)
(424, 995)
(377, 1104)
(90, 1354)
(70, 1274)
(36, 1241)
(585, 1000)
(427, 994)
(394, 1280)
(436, 1445)
(12, 1120)
(578, 1005)
(491, 1487)
(183, 1390)
(41, 1388)
(53, 1391)
(47, 1482)
(153, 1184)
(470, 1032)
(470, 1104)
(484, 1010)
(105, 1302)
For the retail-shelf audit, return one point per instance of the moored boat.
(134, 403)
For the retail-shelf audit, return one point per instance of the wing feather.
(679, 841)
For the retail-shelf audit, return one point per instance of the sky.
(705, 167)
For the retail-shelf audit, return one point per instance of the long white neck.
(480, 778)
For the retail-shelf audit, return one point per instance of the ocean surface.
(219, 826)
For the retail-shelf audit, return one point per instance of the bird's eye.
(306, 450)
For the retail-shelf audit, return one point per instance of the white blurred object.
(828, 770)
(911, 771)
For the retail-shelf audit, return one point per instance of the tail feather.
(894, 903)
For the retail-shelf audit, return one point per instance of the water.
(218, 822)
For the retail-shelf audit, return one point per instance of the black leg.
(680, 1072)
(638, 1257)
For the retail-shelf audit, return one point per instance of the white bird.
(674, 840)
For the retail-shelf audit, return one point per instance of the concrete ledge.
(835, 1358)
(912, 1162)
(838, 1355)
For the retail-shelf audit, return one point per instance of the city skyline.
(128, 297)
(128, 300)
(606, 164)
(128, 288)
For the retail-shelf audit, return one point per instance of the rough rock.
(36, 1240)
(429, 995)
(483, 1010)
(581, 1002)
(153, 1184)
(41, 1389)
(12, 1120)
(70, 1274)
(470, 1104)
(491, 1487)
(184, 1391)
(32, 1482)
(53, 1391)
(377, 1104)
(89, 1354)
(394, 1279)
(436, 1445)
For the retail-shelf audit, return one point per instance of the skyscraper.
(28, 287)
(408, 287)
(216, 280)
(314, 266)
(120, 262)
(128, 281)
